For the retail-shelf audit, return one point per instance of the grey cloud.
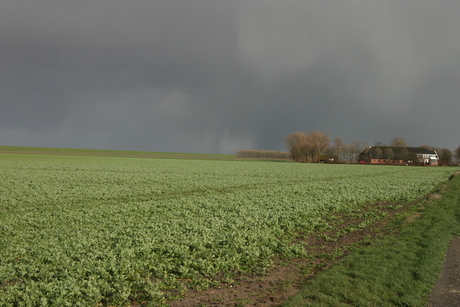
(219, 76)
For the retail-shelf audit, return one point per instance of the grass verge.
(400, 269)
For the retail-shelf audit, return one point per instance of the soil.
(285, 278)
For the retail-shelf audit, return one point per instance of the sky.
(218, 76)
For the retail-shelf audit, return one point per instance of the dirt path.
(285, 278)
(447, 290)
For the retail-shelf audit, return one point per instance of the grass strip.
(400, 269)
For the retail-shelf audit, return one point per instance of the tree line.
(310, 147)
(263, 154)
(314, 146)
(457, 153)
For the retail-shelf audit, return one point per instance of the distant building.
(398, 156)
(328, 158)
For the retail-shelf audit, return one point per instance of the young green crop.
(85, 230)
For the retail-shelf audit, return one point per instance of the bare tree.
(398, 142)
(307, 147)
(339, 146)
(330, 150)
(457, 153)
(350, 153)
(428, 147)
(262, 154)
(296, 143)
(358, 148)
(318, 142)
(445, 156)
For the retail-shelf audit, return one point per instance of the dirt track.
(284, 279)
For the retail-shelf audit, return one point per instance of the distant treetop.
(398, 142)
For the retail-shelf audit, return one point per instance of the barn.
(398, 155)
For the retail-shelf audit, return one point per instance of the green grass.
(106, 152)
(397, 270)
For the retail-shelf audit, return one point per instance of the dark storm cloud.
(219, 76)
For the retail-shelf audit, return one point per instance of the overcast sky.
(217, 76)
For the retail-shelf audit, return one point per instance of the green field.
(106, 152)
(107, 230)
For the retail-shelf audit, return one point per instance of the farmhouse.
(398, 155)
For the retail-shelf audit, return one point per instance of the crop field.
(105, 152)
(101, 231)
